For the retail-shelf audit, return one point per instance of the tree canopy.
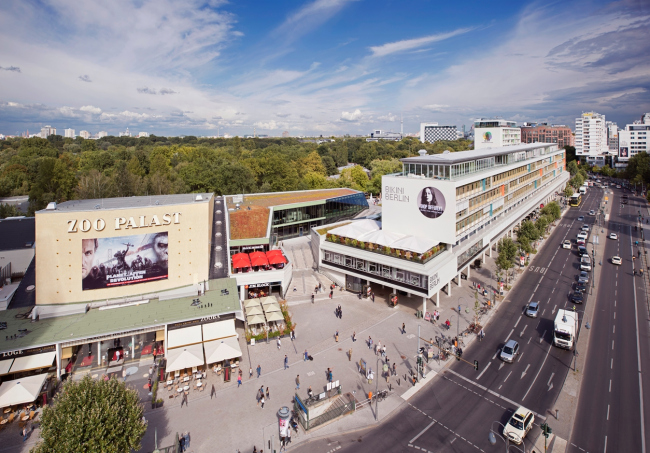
(60, 169)
(92, 416)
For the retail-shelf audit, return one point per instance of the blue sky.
(204, 67)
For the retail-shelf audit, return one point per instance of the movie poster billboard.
(124, 260)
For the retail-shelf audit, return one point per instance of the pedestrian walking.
(458, 308)
(250, 372)
(286, 362)
(262, 401)
(337, 336)
(320, 287)
(378, 348)
(403, 328)
(149, 384)
(293, 335)
(340, 312)
(354, 337)
(350, 355)
(306, 356)
(288, 437)
(268, 394)
(383, 351)
(331, 293)
(394, 368)
(312, 298)
(369, 343)
(124, 375)
(24, 433)
(238, 381)
(372, 295)
(259, 370)
(297, 382)
(279, 343)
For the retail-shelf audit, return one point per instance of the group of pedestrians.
(339, 312)
(262, 396)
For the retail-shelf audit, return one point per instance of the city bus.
(575, 199)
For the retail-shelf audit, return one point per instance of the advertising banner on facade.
(124, 260)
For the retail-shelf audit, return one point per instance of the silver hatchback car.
(509, 351)
(532, 309)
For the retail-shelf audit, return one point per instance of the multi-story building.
(495, 132)
(85, 135)
(612, 137)
(634, 139)
(143, 134)
(102, 134)
(125, 133)
(285, 134)
(591, 138)
(432, 132)
(69, 133)
(439, 215)
(46, 131)
(543, 133)
(377, 135)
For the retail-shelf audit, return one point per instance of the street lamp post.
(506, 440)
(458, 322)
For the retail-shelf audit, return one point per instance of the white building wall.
(494, 137)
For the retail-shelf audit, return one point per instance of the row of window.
(382, 270)
(483, 198)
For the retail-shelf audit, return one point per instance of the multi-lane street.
(456, 411)
(611, 415)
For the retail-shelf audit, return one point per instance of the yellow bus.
(575, 199)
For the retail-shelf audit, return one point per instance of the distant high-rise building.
(384, 135)
(69, 133)
(85, 134)
(495, 132)
(634, 139)
(432, 132)
(126, 133)
(102, 134)
(47, 131)
(543, 133)
(285, 134)
(591, 138)
(143, 134)
(612, 137)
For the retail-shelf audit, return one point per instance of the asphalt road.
(611, 409)
(456, 411)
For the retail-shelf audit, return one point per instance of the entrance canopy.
(184, 337)
(181, 358)
(21, 391)
(220, 350)
(33, 362)
(217, 330)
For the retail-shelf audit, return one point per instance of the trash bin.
(284, 414)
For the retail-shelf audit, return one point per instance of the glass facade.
(294, 222)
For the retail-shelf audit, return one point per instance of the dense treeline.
(60, 169)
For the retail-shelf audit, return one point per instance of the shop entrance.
(354, 284)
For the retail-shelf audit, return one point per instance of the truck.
(565, 329)
(583, 190)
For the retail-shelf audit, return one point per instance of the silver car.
(532, 309)
(509, 351)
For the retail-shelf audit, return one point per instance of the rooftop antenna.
(401, 120)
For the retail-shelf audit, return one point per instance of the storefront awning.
(184, 337)
(5, 365)
(220, 350)
(22, 390)
(275, 316)
(33, 362)
(181, 358)
(271, 307)
(217, 330)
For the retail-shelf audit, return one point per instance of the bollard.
(557, 414)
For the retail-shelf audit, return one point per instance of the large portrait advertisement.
(124, 260)
(431, 202)
(623, 152)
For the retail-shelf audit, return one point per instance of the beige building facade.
(93, 250)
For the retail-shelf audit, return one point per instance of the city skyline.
(195, 68)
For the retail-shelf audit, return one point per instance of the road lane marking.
(502, 365)
(614, 315)
(612, 345)
(495, 355)
(605, 449)
(610, 386)
(614, 329)
(520, 356)
(608, 412)
(484, 370)
(542, 337)
(509, 335)
(522, 332)
(550, 379)
(524, 372)
(611, 365)
(518, 321)
(538, 371)
(507, 376)
(422, 432)
(554, 307)
(529, 340)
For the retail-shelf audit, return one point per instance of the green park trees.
(92, 415)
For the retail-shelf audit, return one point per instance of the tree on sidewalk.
(89, 416)
(507, 251)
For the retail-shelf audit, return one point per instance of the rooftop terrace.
(284, 198)
(130, 202)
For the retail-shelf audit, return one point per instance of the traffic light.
(476, 365)
(546, 430)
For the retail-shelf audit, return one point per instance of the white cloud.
(91, 109)
(351, 116)
(436, 107)
(270, 125)
(408, 44)
(389, 117)
(310, 17)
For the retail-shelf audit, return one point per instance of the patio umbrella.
(251, 303)
(277, 259)
(271, 307)
(275, 316)
(268, 300)
(240, 261)
(220, 350)
(274, 252)
(255, 319)
(259, 260)
(185, 357)
(240, 255)
(250, 311)
(21, 390)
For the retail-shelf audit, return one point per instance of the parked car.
(509, 351)
(581, 288)
(577, 297)
(583, 235)
(532, 309)
(585, 263)
(585, 228)
(519, 425)
(583, 277)
(566, 244)
(617, 260)
(582, 250)
(581, 241)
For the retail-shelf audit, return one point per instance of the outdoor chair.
(31, 414)
(201, 388)
(11, 417)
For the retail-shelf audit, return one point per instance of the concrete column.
(424, 305)
(438, 299)
(133, 347)
(460, 275)
(165, 348)
(99, 354)
(489, 250)
(449, 289)
(468, 271)
(242, 292)
(58, 361)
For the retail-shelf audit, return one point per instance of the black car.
(580, 288)
(577, 297)
(582, 250)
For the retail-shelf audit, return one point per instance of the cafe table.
(186, 388)
(199, 384)
(170, 382)
(186, 379)
(25, 418)
(7, 410)
(179, 390)
(3, 421)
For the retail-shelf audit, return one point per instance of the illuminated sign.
(142, 221)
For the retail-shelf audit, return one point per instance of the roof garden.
(283, 198)
(248, 223)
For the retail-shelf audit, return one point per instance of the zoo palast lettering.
(142, 221)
